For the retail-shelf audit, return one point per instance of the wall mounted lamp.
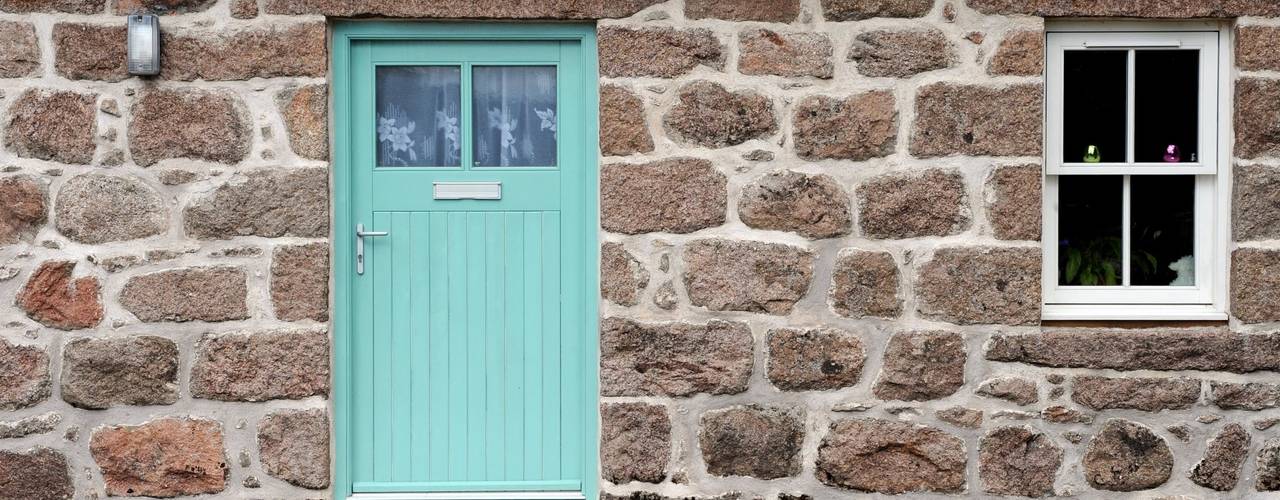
(144, 44)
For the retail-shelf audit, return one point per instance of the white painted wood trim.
(485, 495)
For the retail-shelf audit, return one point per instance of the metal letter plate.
(467, 190)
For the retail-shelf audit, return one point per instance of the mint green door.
(467, 344)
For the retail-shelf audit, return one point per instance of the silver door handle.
(360, 235)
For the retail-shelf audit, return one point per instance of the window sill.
(1138, 312)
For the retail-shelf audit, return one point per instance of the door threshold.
(473, 495)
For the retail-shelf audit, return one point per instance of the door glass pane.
(1094, 106)
(419, 108)
(1090, 230)
(1162, 230)
(1166, 105)
(514, 110)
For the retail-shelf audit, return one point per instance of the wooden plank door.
(471, 355)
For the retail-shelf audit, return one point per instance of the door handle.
(360, 235)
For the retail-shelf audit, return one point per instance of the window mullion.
(1125, 234)
(1130, 84)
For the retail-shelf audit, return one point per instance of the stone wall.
(820, 276)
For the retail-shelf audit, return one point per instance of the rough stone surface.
(623, 130)
(101, 373)
(279, 50)
(1220, 468)
(677, 195)
(635, 442)
(960, 416)
(188, 123)
(858, 127)
(919, 366)
(189, 294)
(901, 53)
(25, 208)
(1258, 48)
(68, 6)
(1127, 456)
(98, 208)
(294, 446)
(756, 441)
(1018, 461)
(1269, 466)
(1145, 394)
(300, 282)
(480, 9)
(865, 284)
(1128, 8)
(776, 11)
(1256, 190)
(1211, 349)
(1020, 53)
(162, 7)
(1251, 396)
(657, 52)
(56, 300)
(1257, 117)
(1255, 286)
(977, 120)
(767, 52)
(882, 456)
(674, 359)
(35, 424)
(162, 458)
(857, 10)
(85, 51)
(929, 203)
(244, 9)
(269, 203)
(24, 376)
(708, 115)
(1013, 202)
(622, 277)
(19, 51)
(1016, 389)
(280, 364)
(1002, 285)
(813, 206)
(814, 359)
(306, 117)
(56, 125)
(36, 474)
(734, 275)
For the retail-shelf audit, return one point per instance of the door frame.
(342, 35)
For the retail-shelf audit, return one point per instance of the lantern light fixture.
(144, 44)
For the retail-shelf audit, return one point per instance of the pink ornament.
(1172, 154)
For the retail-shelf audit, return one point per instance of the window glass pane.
(1089, 230)
(419, 108)
(1162, 229)
(1166, 105)
(514, 110)
(1094, 105)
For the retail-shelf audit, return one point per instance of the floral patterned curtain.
(419, 109)
(514, 116)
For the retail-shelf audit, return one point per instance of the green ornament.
(1091, 154)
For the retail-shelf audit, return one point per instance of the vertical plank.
(533, 397)
(438, 365)
(514, 384)
(475, 367)
(495, 370)
(400, 240)
(420, 349)
(551, 347)
(382, 382)
(456, 452)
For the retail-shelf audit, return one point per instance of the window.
(1134, 187)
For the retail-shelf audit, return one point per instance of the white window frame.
(1207, 300)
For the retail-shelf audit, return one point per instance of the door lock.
(360, 234)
